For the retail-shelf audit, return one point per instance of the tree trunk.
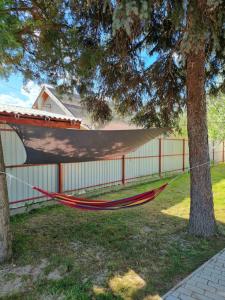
(202, 219)
(5, 234)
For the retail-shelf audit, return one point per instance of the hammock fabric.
(85, 204)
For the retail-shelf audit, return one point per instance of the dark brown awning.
(53, 145)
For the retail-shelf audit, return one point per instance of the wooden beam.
(8, 118)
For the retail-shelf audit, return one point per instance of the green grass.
(129, 254)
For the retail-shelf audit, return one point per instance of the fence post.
(183, 167)
(60, 178)
(123, 179)
(160, 157)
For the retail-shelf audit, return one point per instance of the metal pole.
(123, 169)
(60, 178)
(160, 157)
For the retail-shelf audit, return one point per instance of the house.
(50, 100)
(68, 105)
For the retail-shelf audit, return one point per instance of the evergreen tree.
(153, 59)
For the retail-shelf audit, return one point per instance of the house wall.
(157, 157)
(49, 105)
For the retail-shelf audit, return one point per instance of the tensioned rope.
(188, 169)
(172, 180)
(94, 205)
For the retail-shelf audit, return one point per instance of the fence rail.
(156, 158)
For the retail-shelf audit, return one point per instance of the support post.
(160, 157)
(183, 167)
(60, 178)
(123, 179)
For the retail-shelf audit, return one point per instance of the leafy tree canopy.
(108, 50)
(216, 119)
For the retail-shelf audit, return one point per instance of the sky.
(13, 91)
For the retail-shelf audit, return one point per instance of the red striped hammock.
(85, 204)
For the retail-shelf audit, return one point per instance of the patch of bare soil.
(93, 259)
(14, 279)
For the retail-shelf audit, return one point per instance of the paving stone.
(222, 282)
(213, 278)
(214, 296)
(216, 286)
(185, 291)
(193, 288)
(199, 280)
(185, 297)
(171, 297)
(221, 293)
(206, 283)
(197, 296)
(206, 287)
(214, 271)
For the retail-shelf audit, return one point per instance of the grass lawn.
(61, 253)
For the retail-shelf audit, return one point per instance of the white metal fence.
(158, 157)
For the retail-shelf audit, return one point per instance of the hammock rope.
(94, 205)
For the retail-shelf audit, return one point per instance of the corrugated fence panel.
(143, 162)
(211, 147)
(149, 149)
(13, 149)
(79, 176)
(172, 152)
(186, 154)
(218, 152)
(45, 176)
(138, 167)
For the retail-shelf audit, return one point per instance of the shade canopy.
(53, 145)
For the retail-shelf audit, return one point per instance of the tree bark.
(202, 219)
(5, 234)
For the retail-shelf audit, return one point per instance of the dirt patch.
(54, 275)
(52, 297)
(180, 239)
(147, 229)
(10, 286)
(100, 277)
(15, 279)
(76, 245)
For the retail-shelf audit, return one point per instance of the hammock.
(85, 204)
